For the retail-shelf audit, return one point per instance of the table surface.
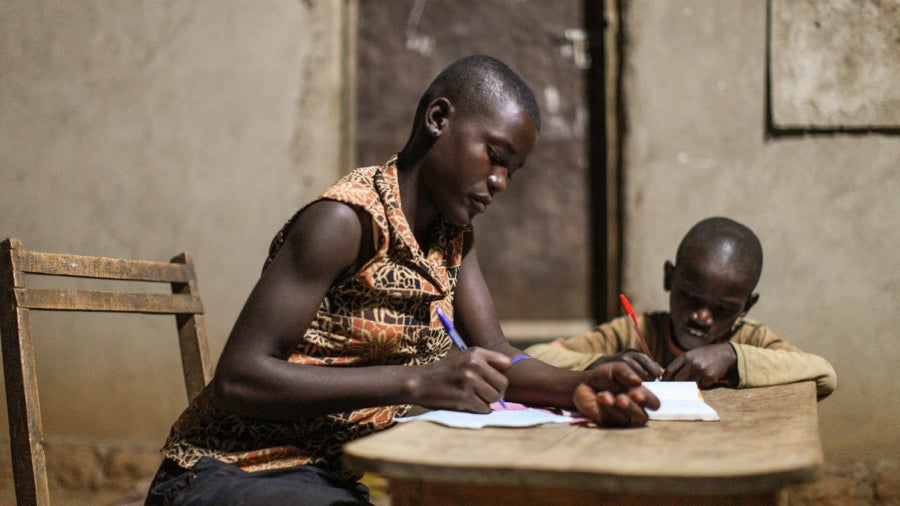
(767, 438)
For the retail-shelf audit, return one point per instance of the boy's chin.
(688, 342)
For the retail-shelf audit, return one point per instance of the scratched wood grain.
(768, 438)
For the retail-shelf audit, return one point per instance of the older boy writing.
(704, 336)
(340, 336)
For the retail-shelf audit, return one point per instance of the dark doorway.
(535, 244)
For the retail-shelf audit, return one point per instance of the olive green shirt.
(762, 358)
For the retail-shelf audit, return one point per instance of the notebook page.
(679, 400)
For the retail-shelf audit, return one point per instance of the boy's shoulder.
(750, 331)
(750, 323)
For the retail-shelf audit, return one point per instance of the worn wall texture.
(835, 64)
(145, 128)
(826, 207)
(549, 200)
(142, 129)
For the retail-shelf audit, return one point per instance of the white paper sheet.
(679, 400)
(515, 416)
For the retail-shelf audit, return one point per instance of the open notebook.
(680, 400)
(512, 415)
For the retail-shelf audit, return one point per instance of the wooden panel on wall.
(834, 64)
(533, 243)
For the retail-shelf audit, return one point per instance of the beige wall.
(826, 207)
(142, 129)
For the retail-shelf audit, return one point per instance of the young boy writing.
(340, 335)
(704, 336)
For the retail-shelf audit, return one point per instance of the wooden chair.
(17, 301)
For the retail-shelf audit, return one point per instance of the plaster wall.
(143, 129)
(825, 206)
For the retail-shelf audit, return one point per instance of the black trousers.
(216, 483)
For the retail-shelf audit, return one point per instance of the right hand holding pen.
(467, 381)
(641, 364)
(612, 394)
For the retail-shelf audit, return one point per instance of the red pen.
(634, 322)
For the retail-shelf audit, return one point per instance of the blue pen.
(456, 338)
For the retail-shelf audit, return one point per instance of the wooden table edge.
(611, 483)
(762, 480)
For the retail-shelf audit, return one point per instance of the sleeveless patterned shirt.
(384, 314)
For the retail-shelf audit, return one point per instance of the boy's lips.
(695, 332)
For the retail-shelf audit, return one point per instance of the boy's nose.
(497, 180)
(703, 316)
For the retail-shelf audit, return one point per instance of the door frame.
(603, 24)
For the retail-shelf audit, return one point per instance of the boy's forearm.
(562, 358)
(758, 367)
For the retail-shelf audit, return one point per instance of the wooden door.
(535, 242)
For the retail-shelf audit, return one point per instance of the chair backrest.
(16, 302)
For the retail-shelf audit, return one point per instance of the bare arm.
(609, 394)
(254, 378)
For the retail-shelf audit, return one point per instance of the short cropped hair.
(728, 240)
(477, 83)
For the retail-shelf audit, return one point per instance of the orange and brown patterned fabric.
(384, 314)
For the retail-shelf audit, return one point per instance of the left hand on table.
(612, 395)
(706, 365)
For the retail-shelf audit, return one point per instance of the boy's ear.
(436, 116)
(751, 301)
(668, 273)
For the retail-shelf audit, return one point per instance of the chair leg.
(23, 408)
